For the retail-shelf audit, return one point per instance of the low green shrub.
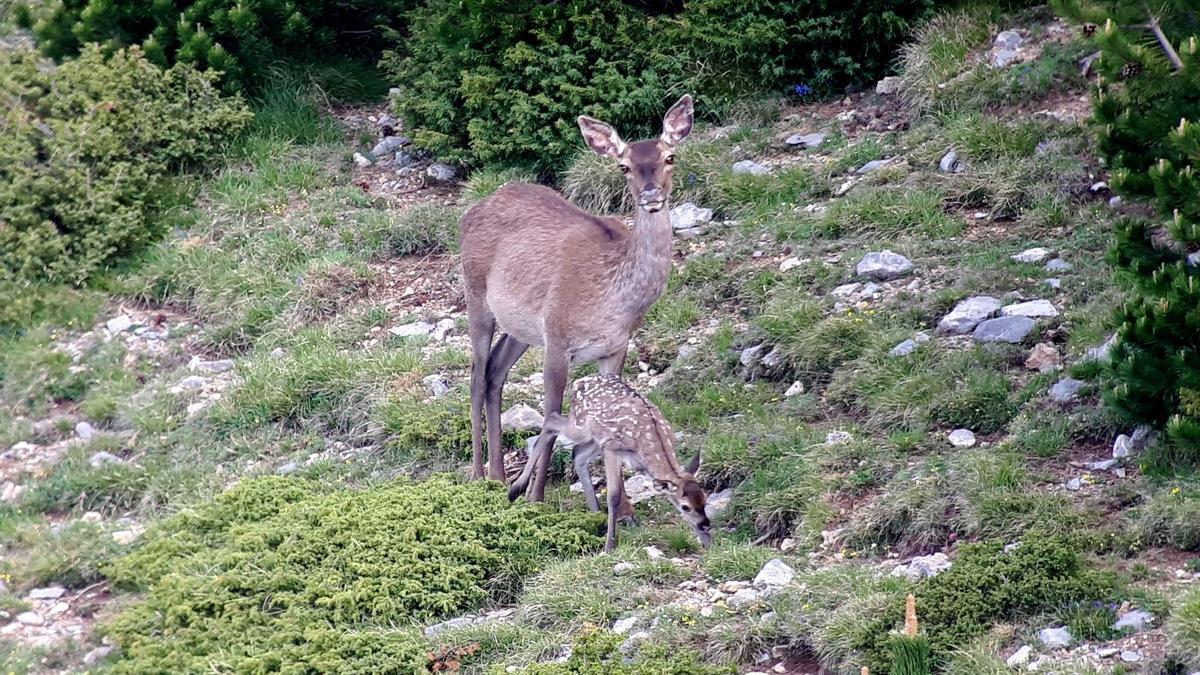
(1171, 517)
(86, 151)
(598, 653)
(1183, 629)
(281, 574)
(239, 39)
(988, 584)
(981, 403)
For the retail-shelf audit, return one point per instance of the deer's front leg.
(616, 493)
(554, 376)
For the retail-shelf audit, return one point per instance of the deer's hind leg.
(506, 353)
(481, 326)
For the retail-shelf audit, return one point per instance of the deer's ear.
(677, 123)
(694, 465)
(601, 137)
(664, 486)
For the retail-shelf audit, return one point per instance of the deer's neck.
(642, 275)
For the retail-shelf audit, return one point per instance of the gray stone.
(639, 488)
(744, 598)
(1009, 39)
(1102, 352)
(360, 161)
(101, 458)
(888, 86)
(790, 264)
(923, 567)
(1114, 201)
(441, 172)
(1056, 638)
(795, 389)
(287, 469)
(219, 366)
(97, 655)
(1122, 447)
(968, 314)
(751, 355)
(1032, 255)
(1010, 329)
(1044, 358)
(813, 140)
(1075, 484)
(773, 359)
(653, 552)
(521, 417)
(904, 348)
(884, 265)
(1102, 465)
(950, 163)
(751, 167)
(443, 329)
(872, 165)
(1193, 259)
(687, 215)
(1134, 620)
(1143, 436)
(1019, 657)
(718, 503)
(1065, 390)
(192, 383)
(1054, 283)
(1130, 656)
(1059, 265)
(623, 567)
(437, 386)
(414, 329)
(838, 438)
(1034, 309)
(47, 593)
(1098, 186)
(1005, 57)
(774, 574)
(85, 431)
(961, 438)
(119, 324)
(30, 619)
(388, 145)
(623, 626)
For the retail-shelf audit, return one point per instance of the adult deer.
(551, 274)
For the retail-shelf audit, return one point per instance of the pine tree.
(1147, 113)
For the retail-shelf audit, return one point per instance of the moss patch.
(281, 574)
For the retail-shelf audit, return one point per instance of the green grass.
(1183, 628)
(890, 211)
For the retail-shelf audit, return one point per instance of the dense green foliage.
(1183, 628)
(86, 149)
(241, 39)
(283, 574)
(502, 82)
(597, 654)
(988, 584)
(1148, 116)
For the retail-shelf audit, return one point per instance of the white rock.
(47, 593)
(884, 265)
(653, 552)
(443, 329)
(218, 366)
(888, 86)
(30, 619)
(85, 431)
(388, 145)
(1019, 657)
(623, 626)
(751, 167)
(923, 566)
(789, 264)
(873, 165)
(441, 172)
(904, 348)
(437, 385)
(1075, 484)
(744, 598)
(775, 573)
(718, 503)
(521, 417)
(92, 517)
(414, 329)
(1098, 186)
(1054, 283)
(1122, 447)
(1033, 309)
(813, 140)
(1056, 638)
(10, 492)
(1107, 652)
(1010, 329)
(1066, 390)
(1102, 465)
(360, 161)
(192, 383)
(623, 567)
(97, 655)
(1032, 255)
(950, 163)
(432, 631)
(687, 215)
(99, 459)
(968, 314)
(1059, 265)
(1134, 620)
(1009, 39)
(796, 389)
(125, 537)
(639, 488)
(119, 324)
(838, 438)
(1102, 352)
(962, 438)
(1129, 656)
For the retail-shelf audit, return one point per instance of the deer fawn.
(609, 417)
(550, 274)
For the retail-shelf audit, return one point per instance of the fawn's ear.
(665, 486)
(601, 137)
(694, 465)
(677, 123)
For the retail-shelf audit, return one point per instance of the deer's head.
(689, 499)
(646, 164)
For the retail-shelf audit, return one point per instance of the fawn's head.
(689, 499)
(646, 164)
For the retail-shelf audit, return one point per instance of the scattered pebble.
(796, 389)
(1056, 638)
(1034, 309)
(962, 438)
(968, 314)
(1010, 329)
(883, 265)
(775, 573)
(1066, 390)
(751, 167)
(1059, 265)
(1032, 255)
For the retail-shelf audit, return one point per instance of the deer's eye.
(670, 159)
(685, 507)
(624, 169)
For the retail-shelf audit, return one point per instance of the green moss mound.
(599, 653)
(285, 575)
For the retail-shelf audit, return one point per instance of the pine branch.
(1162, 40)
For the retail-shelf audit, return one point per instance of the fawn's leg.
(616, 493)
(583, 456)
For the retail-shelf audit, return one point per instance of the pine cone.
(1131, 70)
(1089, 29)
